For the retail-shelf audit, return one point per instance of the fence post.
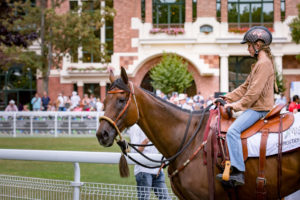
(31, 125)
(55, 124)
(69, 125)
(76, 184)
(14, 125)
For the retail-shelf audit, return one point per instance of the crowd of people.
(62, 103)
(91, 103)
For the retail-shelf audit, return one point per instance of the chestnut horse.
(165, 124)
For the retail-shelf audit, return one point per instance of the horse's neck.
(163, 124)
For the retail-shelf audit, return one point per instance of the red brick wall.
(277, 12)
(291, 7)
(224, 11)
(290, 62)
(212, 60)
(148, 11)
(201, 81)
(55, 87)
(127, 60)
(188, 10)
(125, 10)
(206, 8)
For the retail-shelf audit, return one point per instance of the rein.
(164, 162)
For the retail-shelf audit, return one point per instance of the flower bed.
(169, 31)
(243, 29)
(86, 69)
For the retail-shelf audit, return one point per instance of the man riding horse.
(255, 97)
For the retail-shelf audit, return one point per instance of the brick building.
(208, 35)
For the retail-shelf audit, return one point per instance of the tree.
(171, 74)
(295, 27)
(62, 34)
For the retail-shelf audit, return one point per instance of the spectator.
(294, 105)
(189, 105)
(60, 102)
(147, 178)
(26, 108)
(45, 101)
(281, 99)
(75, 100)
(99, 105)
(198, 98)
(86, 102)
(67, 103)
(11, 107)
(182, 100)
(93, 102)
(36, 102)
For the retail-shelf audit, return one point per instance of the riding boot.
(236, 178)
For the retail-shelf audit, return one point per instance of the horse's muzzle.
(104, 138)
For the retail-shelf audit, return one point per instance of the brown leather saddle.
(273, 122)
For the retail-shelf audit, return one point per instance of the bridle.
(114, 122)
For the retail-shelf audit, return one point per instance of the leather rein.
(164, 162)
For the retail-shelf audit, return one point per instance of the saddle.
(273, 122)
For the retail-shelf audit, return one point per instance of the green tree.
(295, 27)
(171, 74)
(62, 34)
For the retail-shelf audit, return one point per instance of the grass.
(100, 173)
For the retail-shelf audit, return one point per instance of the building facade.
(205, 33)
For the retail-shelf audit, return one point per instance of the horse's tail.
(123, 167)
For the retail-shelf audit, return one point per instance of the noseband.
(114, 122)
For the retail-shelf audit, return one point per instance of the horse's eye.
(121, 101)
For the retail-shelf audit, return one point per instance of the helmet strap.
(256, 51)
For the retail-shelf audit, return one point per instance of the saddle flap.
(275, 111)
(271, 124)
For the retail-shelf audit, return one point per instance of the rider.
(255, 97)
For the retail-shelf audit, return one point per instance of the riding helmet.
(256, 33)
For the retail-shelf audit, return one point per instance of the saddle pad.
(291, 140)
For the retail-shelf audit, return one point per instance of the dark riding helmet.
(256, 33)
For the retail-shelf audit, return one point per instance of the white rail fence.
(15, 187)
(48, 123)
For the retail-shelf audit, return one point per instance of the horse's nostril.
(105, 134)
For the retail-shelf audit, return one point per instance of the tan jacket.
(257, 92)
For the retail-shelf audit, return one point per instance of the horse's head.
(120, 107)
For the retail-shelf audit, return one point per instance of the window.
(239, 69)
(87, 57)
(143, 10)
(194, 10)
(109, 32)
(247, 13)
(218, 10)
(92, 88)
(168, 13)
(282, 9)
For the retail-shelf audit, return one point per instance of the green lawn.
(100, 173)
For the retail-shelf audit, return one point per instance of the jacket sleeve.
(259, 80)
(238, 93)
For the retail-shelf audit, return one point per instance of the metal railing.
(16, 187)
(49, 123)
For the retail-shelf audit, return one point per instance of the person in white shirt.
(75, 99)
(147, 178)
(60, 102)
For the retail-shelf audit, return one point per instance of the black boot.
(236, 178)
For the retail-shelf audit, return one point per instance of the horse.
(164, 124)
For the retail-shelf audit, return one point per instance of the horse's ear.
(124, 75)
(111, 76)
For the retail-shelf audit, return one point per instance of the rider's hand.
(228, 105)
